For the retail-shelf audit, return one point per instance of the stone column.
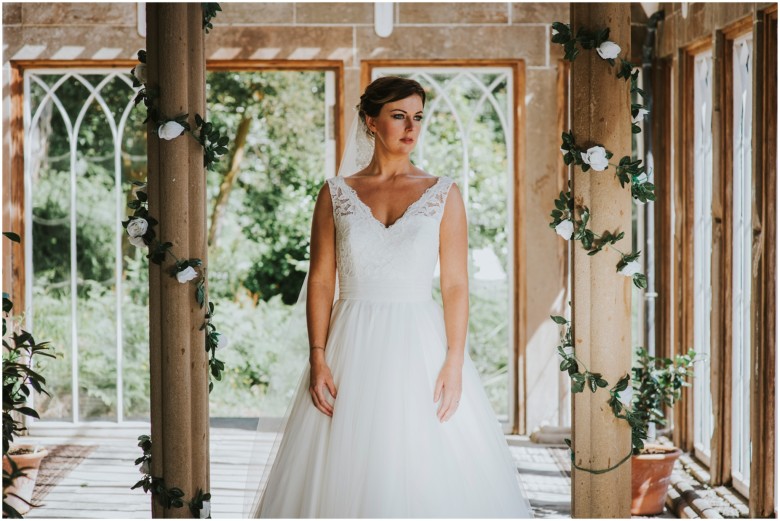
(601, 299)
(176, 187)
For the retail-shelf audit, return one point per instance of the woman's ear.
(370, 124)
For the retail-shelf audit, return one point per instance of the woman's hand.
(320, 379)
(448, 389)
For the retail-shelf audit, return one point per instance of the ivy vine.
(570, 221)
(140, 227)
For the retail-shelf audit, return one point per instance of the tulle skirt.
(384, 452)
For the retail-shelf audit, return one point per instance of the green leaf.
(28, 411)
(640, 281)
(558, 319)
(13, 236)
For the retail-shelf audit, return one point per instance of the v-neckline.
(371, 212)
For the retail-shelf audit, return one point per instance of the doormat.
(56, 465)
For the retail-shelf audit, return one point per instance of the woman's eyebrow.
(418, 112)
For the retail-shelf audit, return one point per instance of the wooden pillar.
(601, 298)
(176, 179)
(763, 349)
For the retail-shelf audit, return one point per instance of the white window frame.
(117, 129)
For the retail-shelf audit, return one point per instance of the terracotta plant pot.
(651, 472)
(28, 461)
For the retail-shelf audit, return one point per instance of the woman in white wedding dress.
(390, 419)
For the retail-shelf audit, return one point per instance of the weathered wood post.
(176, 187)
(601, 298)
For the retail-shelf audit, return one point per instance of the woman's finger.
(320, 390)
(314, 399)
(331, 387)
(317, 402)
(454, 404)
(445, 405)
(437, 390)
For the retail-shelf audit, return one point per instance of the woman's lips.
(407, 140)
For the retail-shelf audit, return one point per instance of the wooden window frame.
(676, 250)
(517, 405)
(662, 129)
(722, 206)
(683, 434)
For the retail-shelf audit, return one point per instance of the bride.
(390, 418)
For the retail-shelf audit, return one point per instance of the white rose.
(630, 269)
(596, 157)
(137, 227)
(608, 50)
(564, 152)
(222, 342)
(626, 396)
(641, 179)
(205, 512)
(138, 242)
(145, 467)
(568, 350)
(565, 229)
(639, 115)
(139, 71)
(554, 32)
(186, 275)
(170, 130)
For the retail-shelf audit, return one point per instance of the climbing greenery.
(141, 233)
(655, 386)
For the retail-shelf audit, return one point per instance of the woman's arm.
(453, 267)
(319, 300)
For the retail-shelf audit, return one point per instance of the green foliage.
(210, 10)
(20, 354)
(585, 38)
(658, 382)
(263, 247)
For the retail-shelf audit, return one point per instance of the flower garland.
(141, 234)
(570, 221)
(200, 505)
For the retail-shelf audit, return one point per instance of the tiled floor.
(100, 486)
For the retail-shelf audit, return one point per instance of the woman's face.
(398, 124)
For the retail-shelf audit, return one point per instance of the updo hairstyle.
(386, 90)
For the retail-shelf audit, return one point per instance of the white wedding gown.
(384, 452)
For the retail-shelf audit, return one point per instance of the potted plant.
(657, 382)
(20, 461)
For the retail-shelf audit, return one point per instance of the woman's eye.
(401, 116)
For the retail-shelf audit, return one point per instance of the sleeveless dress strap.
(432, 205)
(343, 204)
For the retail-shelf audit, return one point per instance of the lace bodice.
(404, 253)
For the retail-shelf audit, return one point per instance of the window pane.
(73, 167)
(702, 249)
(741, 258)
